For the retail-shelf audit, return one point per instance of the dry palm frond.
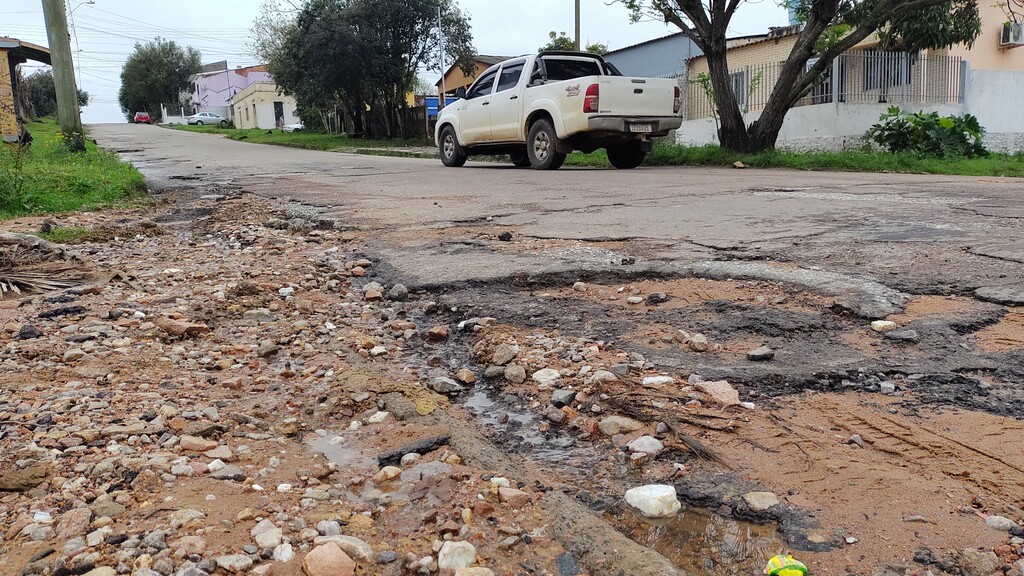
(30, 264)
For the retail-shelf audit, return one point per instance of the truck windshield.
(570, 68)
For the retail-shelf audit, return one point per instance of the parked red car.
(143, 117)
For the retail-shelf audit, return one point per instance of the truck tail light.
(592, 101)
(677, 102)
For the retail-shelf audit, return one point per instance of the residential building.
(212, 89)
(454, 77)
(664, 57)
(12, 113)
(261, 105)
(984, 79)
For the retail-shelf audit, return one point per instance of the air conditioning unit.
(1013, 35)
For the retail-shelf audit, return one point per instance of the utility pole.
(577, 25)
(63, 74)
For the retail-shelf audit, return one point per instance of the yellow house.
(12, 53)
(454, 78)
(261, 105)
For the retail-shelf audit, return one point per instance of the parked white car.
(207, 118)
(297, 127)
(539, 108)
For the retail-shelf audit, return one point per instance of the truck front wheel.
(452, 155)
(626, 156)
(541, 146)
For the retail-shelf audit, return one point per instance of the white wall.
(992, 95)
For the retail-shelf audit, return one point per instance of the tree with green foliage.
(559, 41)
(156, 73)
(42, 94)
(360, 56)
(907, 25)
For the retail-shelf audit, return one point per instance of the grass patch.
(47, 178)
(68, 235)
(305, 140)
(667, 154)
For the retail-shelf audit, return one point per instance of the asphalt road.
(435, 225)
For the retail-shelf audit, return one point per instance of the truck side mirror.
(460, 93)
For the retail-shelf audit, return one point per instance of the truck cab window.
(570, 68)
(510, 75)
(483, 86)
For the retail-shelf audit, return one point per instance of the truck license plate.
(641, 128)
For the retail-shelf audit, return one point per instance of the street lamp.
(78, 48)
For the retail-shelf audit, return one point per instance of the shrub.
(928, 134)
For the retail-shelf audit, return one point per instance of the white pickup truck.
(539, 108)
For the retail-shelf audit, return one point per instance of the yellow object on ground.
(785, 565)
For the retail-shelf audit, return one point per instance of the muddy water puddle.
(702, 542)
(521, 426)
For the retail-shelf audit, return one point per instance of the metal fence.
(865, 76)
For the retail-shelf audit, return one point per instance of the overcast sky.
(108, 29)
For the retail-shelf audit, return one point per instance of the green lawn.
(665, 154)
(46, 177)
(307, 140)
(668, 154)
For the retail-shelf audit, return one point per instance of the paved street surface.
(322, 364)
(912, 230)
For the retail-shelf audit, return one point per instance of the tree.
(354, 54)
(42, 95)
(559, 41)
(901, 25)
(156, 73)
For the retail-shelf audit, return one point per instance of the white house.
(261, 105)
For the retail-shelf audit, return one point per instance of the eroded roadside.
(229, 403)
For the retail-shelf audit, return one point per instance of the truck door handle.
(514, 98)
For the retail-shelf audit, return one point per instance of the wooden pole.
(577, 25)
(63, 74)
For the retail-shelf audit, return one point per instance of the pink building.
(212, 91)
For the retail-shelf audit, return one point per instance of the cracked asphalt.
(916, 233)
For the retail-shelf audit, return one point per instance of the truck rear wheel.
(452, 155)
(542, 146)
(626, 156)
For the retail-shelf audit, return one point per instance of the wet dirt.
(702, 542)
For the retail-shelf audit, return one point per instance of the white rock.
(658, 380)
(262, 526)
(234, 562)
(654, 500)
(378, 417)
(378, 351)
(284, 487)
(721, 391)
(215, 465)
(284, 553)
(1000, 523)
(635, 300)
(269, 539)
(354, 547)
(455, 555)
(646, 445)
(883, 326)
(546, 376)
(760, 501)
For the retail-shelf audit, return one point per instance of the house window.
(740, 88)
(883, 70)
(247, 114)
